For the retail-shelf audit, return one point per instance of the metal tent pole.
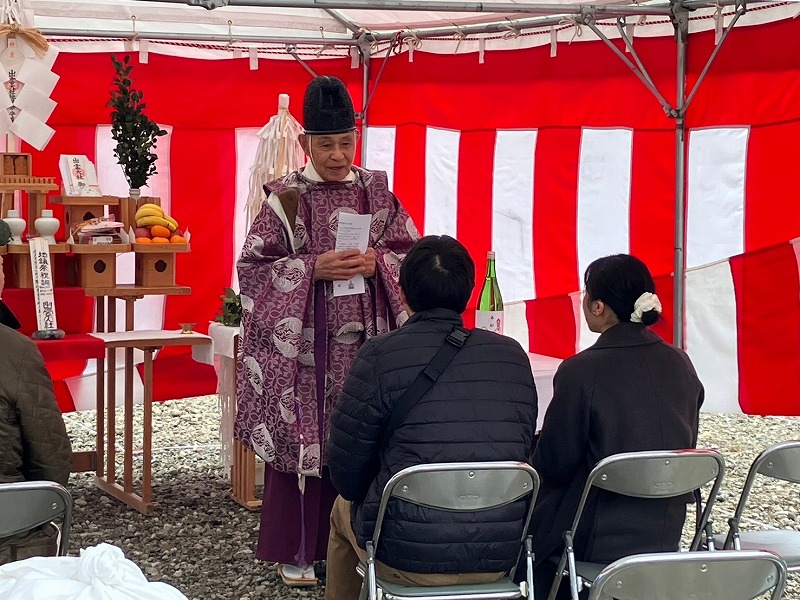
(681, 22)
(364, 48)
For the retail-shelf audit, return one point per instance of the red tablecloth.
(74, 346)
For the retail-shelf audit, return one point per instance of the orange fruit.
(159, 231)
(143, 240)
(159, 240)
(177, 239)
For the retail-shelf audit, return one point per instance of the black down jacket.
(482, 408)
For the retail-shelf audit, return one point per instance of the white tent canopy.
(332, 27)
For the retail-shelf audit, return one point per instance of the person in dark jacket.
(7, 317)
(630, 391)
(33, 439)
(482, 408)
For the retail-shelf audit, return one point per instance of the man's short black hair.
(437, 272)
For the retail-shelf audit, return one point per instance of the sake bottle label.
(490, 320)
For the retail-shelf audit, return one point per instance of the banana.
(151, 220)
(147, 211)
(151, 205)
(173, 224)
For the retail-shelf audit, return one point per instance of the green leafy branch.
(230, 313)
(136, 135)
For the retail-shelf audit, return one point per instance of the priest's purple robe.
(298, 341)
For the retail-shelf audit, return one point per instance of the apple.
(141, 232)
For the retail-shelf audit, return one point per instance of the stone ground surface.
(202, 542)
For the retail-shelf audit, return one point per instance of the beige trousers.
(342, 582)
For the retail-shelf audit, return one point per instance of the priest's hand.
(339, 266)
(369, 262)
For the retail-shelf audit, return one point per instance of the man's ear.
(304, 143)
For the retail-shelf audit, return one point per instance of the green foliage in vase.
(136, 135)
(230, 313)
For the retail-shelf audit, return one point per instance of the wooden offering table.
(148, 342)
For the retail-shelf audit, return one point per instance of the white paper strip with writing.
(43, 284)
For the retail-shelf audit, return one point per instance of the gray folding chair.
(649, 475)
(781, 461)
(690, 576)
(29, 504)
(456, 487)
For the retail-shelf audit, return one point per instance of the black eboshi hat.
(327, 107)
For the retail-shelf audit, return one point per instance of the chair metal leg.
(529, 560)
(709, 530)
(574, 584)
(562, 563)
(370, 578)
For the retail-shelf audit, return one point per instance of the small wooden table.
(148, 342)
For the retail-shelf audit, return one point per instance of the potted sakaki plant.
(135, 133)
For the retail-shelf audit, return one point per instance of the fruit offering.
(153, 226)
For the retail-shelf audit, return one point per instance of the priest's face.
(331, 155)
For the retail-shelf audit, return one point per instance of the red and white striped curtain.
(551, 162)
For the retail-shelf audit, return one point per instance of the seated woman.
(630, 391)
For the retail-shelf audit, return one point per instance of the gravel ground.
(201, 541)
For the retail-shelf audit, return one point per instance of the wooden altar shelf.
(13, 183)
(82, 208)
(36, 189)
(128, 290)
(155, 263)
(21, 253)
(97, 263)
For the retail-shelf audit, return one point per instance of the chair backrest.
(781, 461)
(470, 487)
(657, 474)
(721, 575)
(28, 504)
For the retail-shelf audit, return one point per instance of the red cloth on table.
(73, 309)
(73, 347)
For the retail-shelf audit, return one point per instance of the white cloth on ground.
(100, 573)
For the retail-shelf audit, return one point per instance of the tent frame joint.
(291, 49)
(637, 67)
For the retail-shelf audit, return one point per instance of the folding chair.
(691, 575)
(29, 504)
(781, 461)
(456, 487)
(648, 475)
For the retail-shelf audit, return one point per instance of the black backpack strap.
(425, 380)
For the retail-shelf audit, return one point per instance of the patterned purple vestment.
(294, 332)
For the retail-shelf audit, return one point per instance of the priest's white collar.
(309, 172)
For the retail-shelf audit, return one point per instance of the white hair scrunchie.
(645, 303)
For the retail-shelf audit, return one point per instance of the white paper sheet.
(32, 130)
(352, 234)
(31, 100)
(37, 75)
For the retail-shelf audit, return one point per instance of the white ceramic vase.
(17, 226)
(47, 225)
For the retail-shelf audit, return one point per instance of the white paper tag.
(43, 284)
(490, 320)
(352, 234)
(253, 59)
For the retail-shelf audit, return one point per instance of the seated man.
(33, 440)
(482, 408)
(7, 317)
